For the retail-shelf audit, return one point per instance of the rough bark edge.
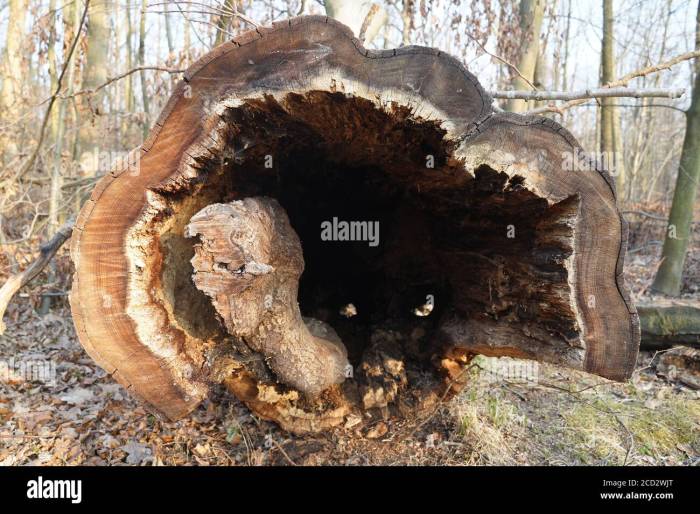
(482, 124)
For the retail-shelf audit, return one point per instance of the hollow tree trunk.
(326, 229)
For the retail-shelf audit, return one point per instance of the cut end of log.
(333, 233)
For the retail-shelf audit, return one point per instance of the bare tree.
(610, 131)
(668, 278)
(531, 13)
(363, 17)
(95, 74)
(141, 61)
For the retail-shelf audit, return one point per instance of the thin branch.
(501, 59)
(221, 10)
(111, 80)
(620, 82)
(653, 216)
(603, 92)
(46, 253)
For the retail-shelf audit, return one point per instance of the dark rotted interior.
(443, 230)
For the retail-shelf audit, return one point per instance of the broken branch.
(602, 92)
(18, 281)
(620, 82)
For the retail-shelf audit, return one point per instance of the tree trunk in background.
(358, 15)
(540, 76)
(96, 67)
(407, 19)
(668, 278)
(223, 23)
(53, 66)
(129, 83)
(71, 23)
(168, 31)
(610, 133)
(12, 69)
(531, 13)
(142, 59)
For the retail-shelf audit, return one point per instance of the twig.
(221, 10)
(111, 80)
(284, 453)
(603, 92)
(620, 82)
(652, 216)
(46, 253)
(501, 59)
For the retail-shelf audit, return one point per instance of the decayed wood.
(46, 253)
(344, 127)
(249, 262)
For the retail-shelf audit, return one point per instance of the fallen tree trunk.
(428, 227)
(668, 323)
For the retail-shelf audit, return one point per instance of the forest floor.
(560, 417)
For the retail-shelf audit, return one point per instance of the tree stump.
(328, 230)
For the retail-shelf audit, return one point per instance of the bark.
(531, 13)
(469, 235)
(610, 133)
(670, 274)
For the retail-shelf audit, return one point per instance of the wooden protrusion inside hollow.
(248, 262)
